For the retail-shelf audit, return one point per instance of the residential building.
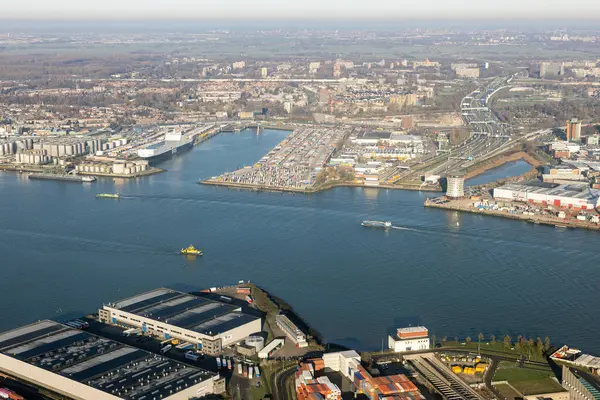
(573, 130)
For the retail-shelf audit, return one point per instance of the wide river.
(64, 252)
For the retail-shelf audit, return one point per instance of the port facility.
(208, 325)
(78, 365)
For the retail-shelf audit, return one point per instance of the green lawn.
(506, 391)
(529, 380)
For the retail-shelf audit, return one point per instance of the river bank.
(464, 205)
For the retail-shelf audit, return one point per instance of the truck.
(250, 370)
(219, 364)
(256, 371)
(190, 355)
(166, 348)
(239, 369)
(229, 363)
(245, 371)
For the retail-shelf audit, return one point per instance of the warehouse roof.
(573, 190)
(103, 364)
(186, 311)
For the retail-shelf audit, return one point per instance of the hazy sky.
(317, 9)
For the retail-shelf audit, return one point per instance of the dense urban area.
(412, 109)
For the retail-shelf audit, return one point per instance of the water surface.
(65, 252)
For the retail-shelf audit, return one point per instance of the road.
(279, 386)
(489, 137)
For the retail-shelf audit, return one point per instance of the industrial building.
(576, 195)
(270, 348)
(455, 185)
(291, 330)
(311, 382)
(207, 324)
(78, 365)
(408, 339)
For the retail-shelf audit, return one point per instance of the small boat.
(108, 196)
(377, 224)
(191, 251)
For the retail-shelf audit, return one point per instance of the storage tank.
(258, 342)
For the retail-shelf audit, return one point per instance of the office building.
(207, 324)
(77, 365)
(408, 339)
(573, 130)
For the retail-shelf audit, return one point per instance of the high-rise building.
(456, 185)
(573, 130)
(264, 72)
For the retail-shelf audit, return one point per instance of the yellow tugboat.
(191, 251)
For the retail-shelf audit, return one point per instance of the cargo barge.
(63, 177)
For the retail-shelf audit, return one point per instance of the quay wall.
(535, 219)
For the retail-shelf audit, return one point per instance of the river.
(64, 252)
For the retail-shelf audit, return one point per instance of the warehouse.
(82, 366)
(577, 196)
(291, 330)
(209, 325)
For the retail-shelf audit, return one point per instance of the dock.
(465, 206)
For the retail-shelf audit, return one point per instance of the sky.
(300, 9)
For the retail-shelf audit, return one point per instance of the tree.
(479, 338)
(444, 340)
(468, 339)
(507, 342)
(433, 340)
(546, 343)
(539, 346)
(493, 339)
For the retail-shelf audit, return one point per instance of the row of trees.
(522, 344)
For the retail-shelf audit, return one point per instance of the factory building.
(291, 330)
(207, 324)
(77, 365)
(36, 157)
(575, 195)
(129, 168)
(409, 339)
(455, 185)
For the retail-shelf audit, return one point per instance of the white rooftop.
(412, 329)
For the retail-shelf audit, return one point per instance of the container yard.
(292, 164)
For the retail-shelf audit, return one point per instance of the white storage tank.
(258, 342)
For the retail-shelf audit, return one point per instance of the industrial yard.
(293, 164)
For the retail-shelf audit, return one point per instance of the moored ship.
(377, 224)
(63, 177)
(173, 143)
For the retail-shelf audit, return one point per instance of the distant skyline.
(301, 9)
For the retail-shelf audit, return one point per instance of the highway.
(488, 136)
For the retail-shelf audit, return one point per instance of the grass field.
(507, 391)
(529, 380)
